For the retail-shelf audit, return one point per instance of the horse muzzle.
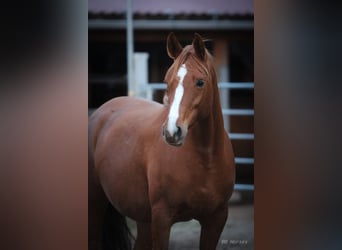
(176, 138)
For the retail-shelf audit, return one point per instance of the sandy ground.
(238, 232)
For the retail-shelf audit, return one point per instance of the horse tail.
(116, 234)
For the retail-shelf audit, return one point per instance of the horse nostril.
(179, 132)
(163, 131)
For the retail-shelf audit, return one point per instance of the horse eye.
(199, 83)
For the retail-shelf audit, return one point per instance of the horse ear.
(173, 46)
(199, 46)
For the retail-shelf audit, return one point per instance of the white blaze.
(174, 110)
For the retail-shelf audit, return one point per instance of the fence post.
(221, 53)
(140, 73)
(130, 48)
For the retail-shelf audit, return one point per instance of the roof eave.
(173, 24)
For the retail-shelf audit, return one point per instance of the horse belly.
(120, 157)
(127, 190)
(123, 177)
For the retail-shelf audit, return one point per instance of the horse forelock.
(188, 57)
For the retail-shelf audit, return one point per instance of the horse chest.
(197, 202)
(198, 196)
(202, 198)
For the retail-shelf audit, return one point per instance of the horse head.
(191, 80)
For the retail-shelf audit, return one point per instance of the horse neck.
(208, 133)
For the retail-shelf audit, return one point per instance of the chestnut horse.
(161, 164)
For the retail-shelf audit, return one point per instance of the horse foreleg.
(144, 237)
(211, 229)
(161, 225)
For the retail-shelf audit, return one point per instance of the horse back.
(121, 114)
